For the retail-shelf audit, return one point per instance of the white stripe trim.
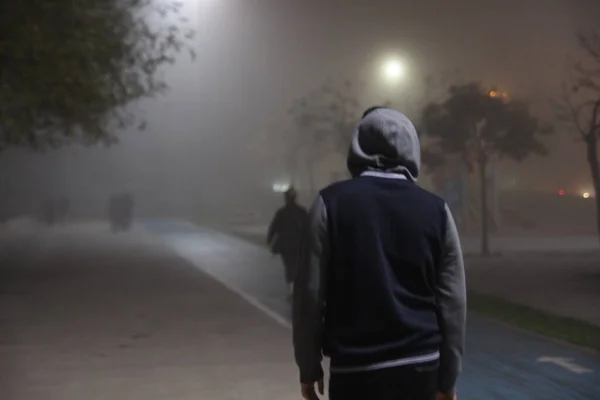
(381, 174)
(388, 364)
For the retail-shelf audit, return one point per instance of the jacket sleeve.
(452, 302)
(309, 295)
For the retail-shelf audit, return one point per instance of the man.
(383, 292)
(115, 212)
(286, 234)
(127, 205)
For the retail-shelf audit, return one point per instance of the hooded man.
(383, 292)
(286, 236)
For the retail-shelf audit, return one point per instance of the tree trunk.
(592, 158)
(291, 163)
(483, 187)
(312, 190)
(465, 202)
(597, 198)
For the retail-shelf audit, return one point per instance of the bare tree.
(324, 120)
(474, 125)
(579, 105)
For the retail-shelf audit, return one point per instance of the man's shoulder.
(430, 195)
(335, 187)
(292, 210)
(300, 209)
(354, 184)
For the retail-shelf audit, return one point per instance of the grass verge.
(565, 329)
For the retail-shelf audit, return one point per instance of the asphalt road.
(501, 363)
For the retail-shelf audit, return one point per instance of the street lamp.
(393, 70)
(281, 187)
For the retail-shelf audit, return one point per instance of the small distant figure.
(62, 209)
(127, 205)
(286, 236)
(111, 210)
(120, 211)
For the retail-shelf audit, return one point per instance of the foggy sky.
(256, 56)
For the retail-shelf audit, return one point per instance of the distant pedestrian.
(383, 293)
(120, 211)
(127, 205)
(286, 236)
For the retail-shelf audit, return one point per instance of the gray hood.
(385, 140)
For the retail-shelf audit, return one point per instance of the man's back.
(383, 291)
(385, 241)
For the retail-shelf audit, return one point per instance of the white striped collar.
(381, 174)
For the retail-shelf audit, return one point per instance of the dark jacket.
(385, 282)
(287, 230)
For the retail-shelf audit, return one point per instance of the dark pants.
(414, 382)
(290, 264)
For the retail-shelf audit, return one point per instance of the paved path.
(86, 315)
(501, 363)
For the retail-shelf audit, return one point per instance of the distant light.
(585, 195)
(281, 187)
(393, 70)
(561, 192)
(496, 94)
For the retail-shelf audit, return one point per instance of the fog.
(148, 269)
(214, 143)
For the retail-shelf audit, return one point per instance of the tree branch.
(572, 114)
(584, 79)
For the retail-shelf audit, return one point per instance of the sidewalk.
(120, 317)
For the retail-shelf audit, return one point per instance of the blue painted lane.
(501, 363)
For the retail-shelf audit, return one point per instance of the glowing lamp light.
(585, 195)
(393, 70)
(561, 192)
(281, 187)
